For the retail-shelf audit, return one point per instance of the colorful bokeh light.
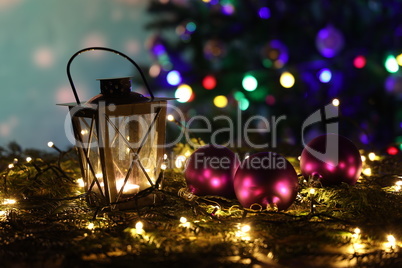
(325, 75)
(249, 83)
(264, 13)
(220, 101)
(359, 62)
(287, 80)
(173, 78)
(392, 150)
(244, 104)
(391, 64)
(270, 100)
(399, 59)
(209, 82)
(184, 93)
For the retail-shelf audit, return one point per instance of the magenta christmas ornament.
(333, 159)
(266, 179)
(210, 170)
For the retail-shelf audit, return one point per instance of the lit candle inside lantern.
(129, 188)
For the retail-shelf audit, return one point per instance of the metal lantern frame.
(100, 132)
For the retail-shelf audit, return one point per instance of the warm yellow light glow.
(399, 59)
(139, 227)
(299, 157)
(363, 158)
(391, 239)
(356, 234)
(28, 159)
(311, 191)
(220, 101)
(163, 167)
(183, 220)
(50, 144)
(243, 232)
(245, 228)
(9, 202)
(129, 188)
(170, 117)
(98, 175)
(165, 156)
(180, 160)
(10, 166)
(287, 80)
(336, 102)
(80, 182)
(372, 156)
(367, 171)
(3, 213)
(398, 185)
(183, 93)
(90, 226)
(83, 132)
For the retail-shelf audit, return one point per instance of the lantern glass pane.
(91, 155)
(133, 153)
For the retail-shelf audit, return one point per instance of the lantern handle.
(110, 50)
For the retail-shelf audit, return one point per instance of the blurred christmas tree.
(283, 57)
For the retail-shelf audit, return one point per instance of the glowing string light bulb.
(372, 156)
(139, 227)
(245, 228)
(356, 234)
(180, 160)
(367, 171)
(9, 201)
(311, 192)
(184, 222)
(90, 226)
(287, 80)
(336, 102)
(391, 241)
(170, 117)
(398, 186)
(80, 182)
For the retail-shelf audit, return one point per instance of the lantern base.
(149, 200)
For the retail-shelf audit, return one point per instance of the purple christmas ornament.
(333, 159)
(267, 179)
(210, 171)
(329, 41)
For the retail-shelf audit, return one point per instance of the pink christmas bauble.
(267, 179)
(210, 170)
(333, 159)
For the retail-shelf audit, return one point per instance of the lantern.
(120, 137)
